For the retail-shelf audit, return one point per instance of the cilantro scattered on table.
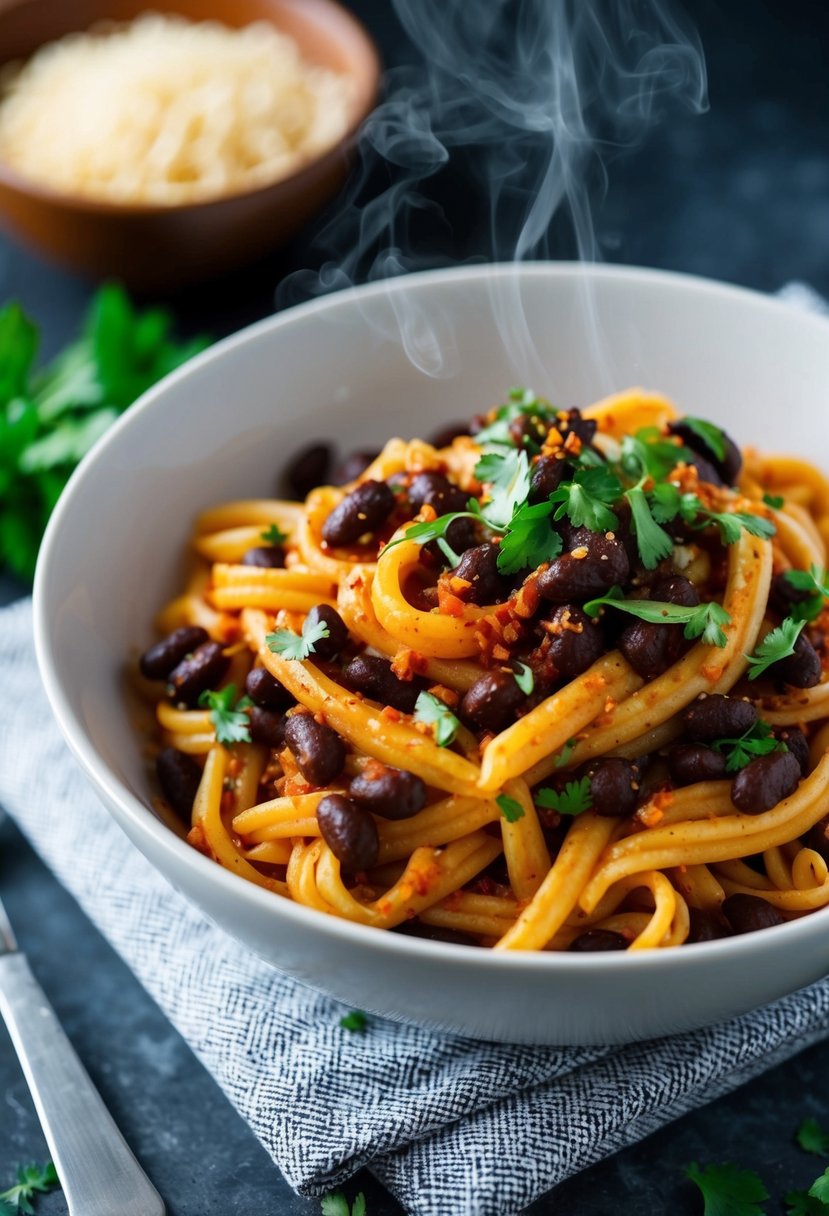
(433, 712)
(50, 418)
(336, 1204)
(511, 809)
(778, 644)
(574, 799)
(32, 1180)
(298, 646)
(230, 723)
(705, 620)
(728, 1190)
(758, 740)
(812, 1138)
(355, 1019)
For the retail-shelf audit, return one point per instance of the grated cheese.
(167, 111)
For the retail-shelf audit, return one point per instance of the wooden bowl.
(149, 246)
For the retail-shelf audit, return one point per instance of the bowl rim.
(205, 870)
(11, 179)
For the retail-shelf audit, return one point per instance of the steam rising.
(504, 132)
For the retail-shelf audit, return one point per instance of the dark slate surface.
(740, 194)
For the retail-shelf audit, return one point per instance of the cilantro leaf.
(509, 808)
(229, 722)
(732, 523)
(664, 501)
(336, 1204)
(32, 1179)
(432, 711)
(435, 529)
(801, 1203)
(705, 620)
(274, 535)
(586, 500)
(727, 1190)
(565, 753)
(529, 539)
(758, 740)
(520, 401)
(508, 476)
(812, 1138)
(654, 543)
(650, 454)
(574, 799)
(776, 645)
(814, 584)
(525, 679)
(355, 1019)
(711, 435)
(775, 501)
(18, 347)
(292, 645)
(820, 1187)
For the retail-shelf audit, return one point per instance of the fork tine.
(8, 942)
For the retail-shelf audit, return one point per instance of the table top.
(741, 193)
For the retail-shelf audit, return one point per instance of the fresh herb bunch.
(32, 1180)
(50, 418)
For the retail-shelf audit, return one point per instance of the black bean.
(674, 589)
(437, 491)
(267, 727)
(528, 430)
(576, 640)
(309, 469)
(179, 776)
(727, 466)
(266, 691)
(362, 511)
(330, 647)
(714, 716)
(546, 476)
(783, 596)
(651, 649)
(270, 556)
(318, 750)
(446, 434)
(597, 939)
(585, 428)
(585, 576)
(374, 678)
(351, 468)
(479, 567)
(614, 786)
(390, 792)
(798, 745)
(692, 762)
(748, 913)
(492, 701)
(197, 672)
(706, 926)
(801, 668)
(157, 662)
(764, 782)
(349, 831)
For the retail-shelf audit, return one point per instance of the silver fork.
(98, 1173)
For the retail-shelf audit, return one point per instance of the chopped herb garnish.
(525, 679)
(705, 620)
(801, 1203)
(229, 722)
(355, 1019)
(433, 712)
(508, 476)
(574, 799)
(292, 645)
(565, 753)
(732, 523)
(776, 645)
(587, 499)
(728, 1190)
(32, 1180)
(529, 539)
(336, 1204)
(775, 501)
(758, 740)
(274, 536)
(649, 454)
(812, 1138)
(711, 435)
(520, 401)
(653, 542)
(509, 808)
(814, 583)
(435, 529)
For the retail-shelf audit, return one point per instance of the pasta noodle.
(555, 682)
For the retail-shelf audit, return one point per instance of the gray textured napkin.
(437, 1119)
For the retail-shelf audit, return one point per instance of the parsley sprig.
(587, 498)
(705, 620)
(814, 584)
(758, 740)
(778, 644)
(32, 1180)
(430, 710)
(292, 645)
(574, 799)
(274, 535)
(510, 808)
(230, 722)
(813, 1138)
(727, 1190)
(529, 539)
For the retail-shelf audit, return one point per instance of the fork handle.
(97, 1170)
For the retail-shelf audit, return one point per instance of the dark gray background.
(741, 194)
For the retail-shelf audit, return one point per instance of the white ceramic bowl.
(223, 426)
